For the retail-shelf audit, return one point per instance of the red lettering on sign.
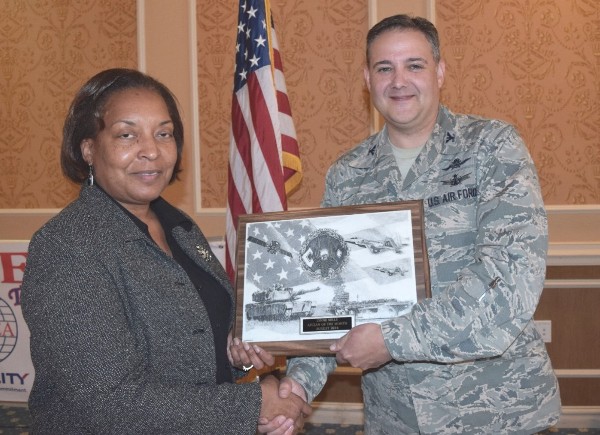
(7, 260)
(6, 331)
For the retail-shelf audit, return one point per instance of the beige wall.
(535, 67)
(47, 50)
(190, 48)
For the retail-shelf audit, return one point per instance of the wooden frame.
(304, 278)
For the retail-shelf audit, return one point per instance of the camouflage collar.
(376, 154)
(441, 141)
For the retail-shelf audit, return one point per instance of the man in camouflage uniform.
(469, 359)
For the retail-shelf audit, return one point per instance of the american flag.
(264, 267)
(264, 160)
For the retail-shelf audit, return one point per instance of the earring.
(90, 179)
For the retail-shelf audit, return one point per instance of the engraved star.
(269, 264)
(289, 232)
(256, 277)
(257, 255)
(256, 231)
(282, 274)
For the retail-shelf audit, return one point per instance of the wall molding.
(352, 413)
(560, 373)
(573, 254)
(195, 109)
(336, 413)
(571, 283)
(555, 209)
(574, 232)
(580, 416)
(141, 34)
(577, 373)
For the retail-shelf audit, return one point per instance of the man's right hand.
(289, 385)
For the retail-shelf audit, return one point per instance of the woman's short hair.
(85, 117)
(406, 22)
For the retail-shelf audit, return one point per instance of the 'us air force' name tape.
(455, 195)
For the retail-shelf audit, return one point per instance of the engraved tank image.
(280, 303)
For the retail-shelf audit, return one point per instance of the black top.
(215, 298)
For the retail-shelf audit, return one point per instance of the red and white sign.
(16, 369)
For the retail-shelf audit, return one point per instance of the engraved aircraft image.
(376, 246)
(391, 272)
(273, 247)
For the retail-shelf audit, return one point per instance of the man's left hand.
(363, 346)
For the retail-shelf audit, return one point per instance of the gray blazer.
(121, 342)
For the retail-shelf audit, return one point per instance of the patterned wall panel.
(533, 63)
(47, 49)
(536, 65)
(322, 46)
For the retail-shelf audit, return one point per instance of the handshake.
(284, 403)
(283, 407)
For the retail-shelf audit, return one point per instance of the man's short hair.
(406, 22)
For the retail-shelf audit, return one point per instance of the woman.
(128, 308)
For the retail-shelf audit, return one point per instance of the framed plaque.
(305, 278)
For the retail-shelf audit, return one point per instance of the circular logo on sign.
(324, 253)
(8, 330)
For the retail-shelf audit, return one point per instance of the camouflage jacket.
(469, 359)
